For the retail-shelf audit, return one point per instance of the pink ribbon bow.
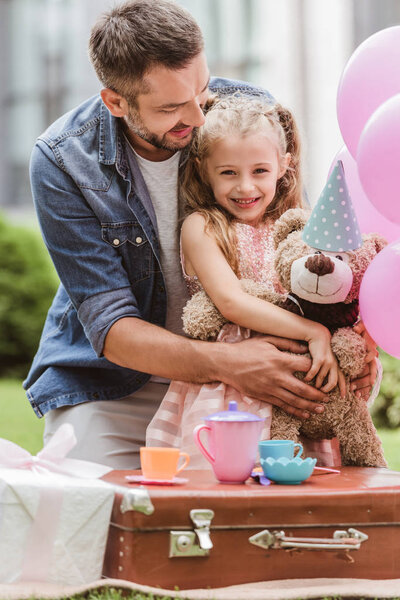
(52, 457)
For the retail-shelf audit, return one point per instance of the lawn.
(18, 421)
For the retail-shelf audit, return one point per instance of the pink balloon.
(370, 220)
(370, 77)
(379, 299)
(378, 159)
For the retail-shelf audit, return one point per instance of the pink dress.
(186, 404)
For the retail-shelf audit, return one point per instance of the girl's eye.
(227, 172)
(260, 170)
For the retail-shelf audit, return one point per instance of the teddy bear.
(322, 285)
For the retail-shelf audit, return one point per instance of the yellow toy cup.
(161, 463)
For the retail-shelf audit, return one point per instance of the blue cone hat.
(333, 225)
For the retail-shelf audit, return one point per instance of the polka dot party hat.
(333, 225)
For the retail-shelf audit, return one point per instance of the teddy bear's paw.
(350, 350)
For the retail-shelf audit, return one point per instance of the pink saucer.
(144, 481)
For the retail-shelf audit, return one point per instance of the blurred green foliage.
(27, 285)
(386, 408)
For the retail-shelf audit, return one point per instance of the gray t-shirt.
(161, 179)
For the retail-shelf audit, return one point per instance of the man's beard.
(136, 126)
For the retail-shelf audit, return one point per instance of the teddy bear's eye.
(339, 257)
(317, 252)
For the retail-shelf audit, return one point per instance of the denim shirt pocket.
(131, 243)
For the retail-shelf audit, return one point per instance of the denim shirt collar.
(139, 184)
(108, 136)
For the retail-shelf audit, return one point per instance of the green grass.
(20, 424)
(391, 444)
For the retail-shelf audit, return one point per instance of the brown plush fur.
(347, 418)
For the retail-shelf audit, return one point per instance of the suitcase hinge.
(195, 542)
(137, 499)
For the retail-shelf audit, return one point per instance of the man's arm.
(256, 367)
(364, 383)
(91, 270)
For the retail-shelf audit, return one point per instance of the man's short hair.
(135, 36)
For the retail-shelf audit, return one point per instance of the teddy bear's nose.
(319, 264)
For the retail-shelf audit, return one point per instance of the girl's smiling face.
(243, 172)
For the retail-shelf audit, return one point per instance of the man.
(104, 182)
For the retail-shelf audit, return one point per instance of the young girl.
(242, 174)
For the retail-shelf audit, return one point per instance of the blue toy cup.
(279, 448)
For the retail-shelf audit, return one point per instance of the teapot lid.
(233, 414)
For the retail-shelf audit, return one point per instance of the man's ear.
(116, 104)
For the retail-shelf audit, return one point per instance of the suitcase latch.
(196, 542)
(341, 540)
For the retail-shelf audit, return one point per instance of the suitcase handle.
(341, 540)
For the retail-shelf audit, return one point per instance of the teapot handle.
(203, 449)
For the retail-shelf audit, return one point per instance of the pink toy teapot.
(233, 438)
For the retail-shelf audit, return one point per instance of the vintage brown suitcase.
(205, 534)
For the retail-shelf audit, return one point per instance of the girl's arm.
(204, 258)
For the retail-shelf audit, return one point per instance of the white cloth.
(53, 528)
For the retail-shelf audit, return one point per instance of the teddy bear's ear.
(293, 219)
(376, 240)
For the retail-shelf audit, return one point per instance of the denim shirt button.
(139, 240)
(116, 242)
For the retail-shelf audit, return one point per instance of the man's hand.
(364, 382)
(261, 367)
(258, 367)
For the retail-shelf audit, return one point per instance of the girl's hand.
(364, 382)
(324, 363)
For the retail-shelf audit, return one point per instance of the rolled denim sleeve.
(90, 270)
(98, 313)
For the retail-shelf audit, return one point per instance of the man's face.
(166, 116)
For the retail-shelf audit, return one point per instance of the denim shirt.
(98, 224)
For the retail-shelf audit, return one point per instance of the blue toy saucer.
(289, 471)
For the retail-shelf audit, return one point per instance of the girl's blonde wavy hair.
(240, 115)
